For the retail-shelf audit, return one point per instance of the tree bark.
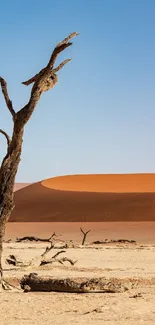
(34, 282)
(8, 172)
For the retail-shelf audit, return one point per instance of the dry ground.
(125, 262)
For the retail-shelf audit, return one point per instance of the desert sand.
(87, 198)
(133, 265)
(112, 207)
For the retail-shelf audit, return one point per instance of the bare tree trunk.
(8, 172)
(85, 233)
(42, 81)
(2, 232)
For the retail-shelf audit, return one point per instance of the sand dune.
(108, 183)
(87, 198)
(18, 186)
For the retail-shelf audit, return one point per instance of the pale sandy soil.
(125, 262)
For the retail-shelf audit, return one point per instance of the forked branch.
(6, 97)
(61, 46)
(49, 68)
(44, 80)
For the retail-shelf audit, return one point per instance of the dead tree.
(85, 233)
(42, 81)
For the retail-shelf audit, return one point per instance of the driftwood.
(54, 259)
(109, 241)
(12, 260)
(36, 239)
(85, 233)
(33, 282)
(47, 250)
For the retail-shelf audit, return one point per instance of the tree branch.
(61, 65)
(43, 81)
(47, 250)
(58, 253)
(84, 232)
(61, 46)
(6, 97)
(33, 79)
(65, 41)
(6, 135)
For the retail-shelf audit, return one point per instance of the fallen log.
(33, 282)
(34, 238)
(111, 241)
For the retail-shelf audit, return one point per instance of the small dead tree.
(85, 233)
(42, 81)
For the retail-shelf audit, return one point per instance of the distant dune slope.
(87, 198)
(18, 186)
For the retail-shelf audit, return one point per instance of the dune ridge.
(107, 183)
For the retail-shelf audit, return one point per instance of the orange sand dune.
(108, 183)
(87, 198)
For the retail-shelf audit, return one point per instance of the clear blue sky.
(100, 118)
